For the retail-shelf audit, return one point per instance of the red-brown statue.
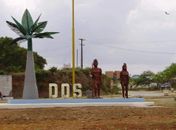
(124, 80)
(96, 78)
(1, 96)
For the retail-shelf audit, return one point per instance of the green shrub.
(44, 77)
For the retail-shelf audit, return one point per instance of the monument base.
(8, 98)
(50, 103)
(96, 100)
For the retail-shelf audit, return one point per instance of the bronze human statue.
(1, 96)
(124, 80)
(96, 79)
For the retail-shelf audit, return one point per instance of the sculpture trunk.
(30, 90)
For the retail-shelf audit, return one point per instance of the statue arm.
(120, 77)
(91, 73)
(100, 75)
(128, 77)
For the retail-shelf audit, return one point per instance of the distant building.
(67, 66)
(113, 74)
(117, 74)
(109, 74)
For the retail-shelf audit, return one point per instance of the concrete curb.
(52, 105)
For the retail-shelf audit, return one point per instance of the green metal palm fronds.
(29, 29)
(27, 22)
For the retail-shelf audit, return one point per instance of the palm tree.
(27, 30)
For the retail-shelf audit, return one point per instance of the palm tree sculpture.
(26, 31)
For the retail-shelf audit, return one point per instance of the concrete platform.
(99, 100)
(48, 103)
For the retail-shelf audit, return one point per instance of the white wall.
(6, 84)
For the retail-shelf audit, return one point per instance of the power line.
(137, 50)
(146, 51)
(139, 41)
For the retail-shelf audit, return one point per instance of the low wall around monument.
(6, 85)
(44, 78)
(18, 84)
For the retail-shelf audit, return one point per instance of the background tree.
(144, 79)
(27, 30)
(12, 57)
(167, 74)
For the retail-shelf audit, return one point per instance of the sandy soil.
(89, 118)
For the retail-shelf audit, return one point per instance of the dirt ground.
(90, 118)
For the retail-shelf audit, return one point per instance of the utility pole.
(73, 42)
(77, 58)
(81, 39)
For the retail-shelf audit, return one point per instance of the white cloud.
(116, 31)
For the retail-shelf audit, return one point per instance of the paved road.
(146, 93)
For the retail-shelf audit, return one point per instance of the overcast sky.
(137, 32)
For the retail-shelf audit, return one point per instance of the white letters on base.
(65, 90)
(77, 90)
(53, 90)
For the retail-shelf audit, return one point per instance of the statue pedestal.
(99, 100)
(50, 103)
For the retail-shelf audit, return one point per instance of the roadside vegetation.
(13, 59)
(154, 81)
